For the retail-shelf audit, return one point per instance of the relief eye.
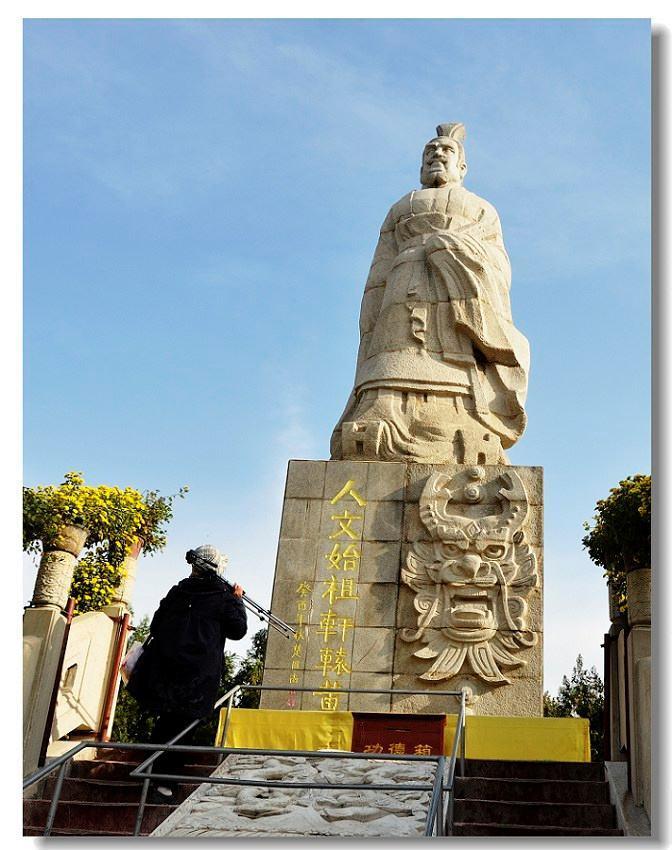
(452, 549)
(494, 551)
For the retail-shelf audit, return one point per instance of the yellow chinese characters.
(303, 592)
(339, 593)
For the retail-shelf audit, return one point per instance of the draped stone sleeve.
(472, 264)
(386, 251)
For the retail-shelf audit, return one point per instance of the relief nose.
(470, 565)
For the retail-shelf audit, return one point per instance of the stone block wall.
(409, 577)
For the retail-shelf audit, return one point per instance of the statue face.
(441, 163)
(470, 586)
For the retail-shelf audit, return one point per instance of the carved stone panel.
(471, 578)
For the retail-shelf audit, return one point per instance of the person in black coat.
(177, 677)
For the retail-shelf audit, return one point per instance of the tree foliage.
(581, 696)
(131, 723)
(620, 537)
(251, 670)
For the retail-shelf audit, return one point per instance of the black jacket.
(180, 669)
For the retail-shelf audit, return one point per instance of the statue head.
(443, 160)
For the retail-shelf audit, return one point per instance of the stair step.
(39, 832)
(98, 817)
(572, 770)
(527, 829)
(138, 756)
(105, 790)
(109, 769)
(599, 816)
(531, 790)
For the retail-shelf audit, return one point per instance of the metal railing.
(436, 822)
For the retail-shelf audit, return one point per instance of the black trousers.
(166, 726)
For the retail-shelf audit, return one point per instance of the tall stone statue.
(441, 372)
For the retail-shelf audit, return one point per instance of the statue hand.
(442, 242)
(435, 242)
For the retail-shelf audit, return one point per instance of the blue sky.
(202, 200)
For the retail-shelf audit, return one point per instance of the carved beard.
(437, 179)
(433, 179)
(484, 657)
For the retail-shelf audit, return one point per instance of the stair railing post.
(141, 807)
(463, 729)
(229, 706)
(449, 813)
(441, 771)
(51, 817)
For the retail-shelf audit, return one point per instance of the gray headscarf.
(207, 559)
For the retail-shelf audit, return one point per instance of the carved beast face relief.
(470, 579)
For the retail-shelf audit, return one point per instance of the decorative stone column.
(54, 576)
(123, 594)
(43, 628)
(639, 673)
(616, 673)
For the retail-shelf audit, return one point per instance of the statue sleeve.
(386, 251)
(473, 266)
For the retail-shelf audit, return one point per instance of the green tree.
(251, 670)
(620, 537)
(581, 696)
(132, 723)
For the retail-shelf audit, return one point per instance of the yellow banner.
(271, 729)
(523, 738)
(506, 738)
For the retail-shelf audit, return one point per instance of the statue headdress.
(453, 131)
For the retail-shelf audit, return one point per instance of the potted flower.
(113, 525)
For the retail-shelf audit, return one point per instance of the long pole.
(263, 613)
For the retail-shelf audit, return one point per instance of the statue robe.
(436, 313)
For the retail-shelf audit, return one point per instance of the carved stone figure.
(470, 580)
(441, 372)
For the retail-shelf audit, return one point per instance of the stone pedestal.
(409, 577)
(639, 677)
(43, 628)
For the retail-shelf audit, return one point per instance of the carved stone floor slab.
(215, 811)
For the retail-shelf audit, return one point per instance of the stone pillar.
(616, 707)
(639, 674)
(43, 628)
(123, 594)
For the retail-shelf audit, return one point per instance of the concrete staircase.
(533, 798)
(98, 798)
(494, 798)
